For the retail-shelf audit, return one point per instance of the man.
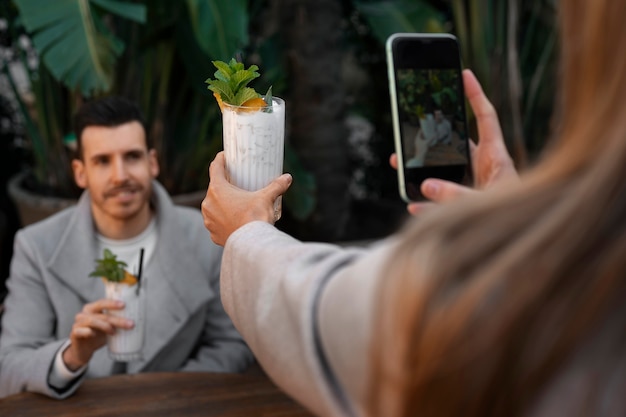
(422, 145)
(55, 323)
(443, 128)
(434, 129)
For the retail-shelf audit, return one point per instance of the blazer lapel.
(74, 257)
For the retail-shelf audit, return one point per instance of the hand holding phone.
(428, 111)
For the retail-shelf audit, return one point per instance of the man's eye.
(101, 161)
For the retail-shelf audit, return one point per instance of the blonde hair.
(486, 300)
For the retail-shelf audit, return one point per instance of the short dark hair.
(109, 111)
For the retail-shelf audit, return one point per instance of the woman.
(505, 303)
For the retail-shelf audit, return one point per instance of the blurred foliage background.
(325, 57)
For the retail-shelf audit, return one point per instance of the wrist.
(71, 359)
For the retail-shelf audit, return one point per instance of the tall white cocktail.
(127, 345)
(254, 145)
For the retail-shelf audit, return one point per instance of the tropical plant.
(421, 91)
(156, 52)
(511, 46)
(65, 33)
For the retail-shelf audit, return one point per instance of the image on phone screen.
(432, 125)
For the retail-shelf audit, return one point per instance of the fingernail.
(119, 303)
(430, 188)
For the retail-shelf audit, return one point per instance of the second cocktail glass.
(127, 345)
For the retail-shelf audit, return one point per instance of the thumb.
(278, 187)
(217, 169)
(441, 191)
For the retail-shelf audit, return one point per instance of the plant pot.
(32, 207)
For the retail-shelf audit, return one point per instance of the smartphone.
(428, 110)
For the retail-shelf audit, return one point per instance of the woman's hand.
(226, 208)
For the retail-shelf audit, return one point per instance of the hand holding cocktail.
(253, 128)
(90, 330)
(123, 288)
(227, 207)
(107, 319)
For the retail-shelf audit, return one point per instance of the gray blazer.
(187, 328)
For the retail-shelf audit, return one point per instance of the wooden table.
(163, 394)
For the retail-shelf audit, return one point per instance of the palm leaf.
(220, 26)
(392, 16)
(74, 42)
(130, 11)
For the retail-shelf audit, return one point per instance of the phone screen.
(428, 108)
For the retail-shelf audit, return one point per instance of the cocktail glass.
(254, 146)
(127, 345)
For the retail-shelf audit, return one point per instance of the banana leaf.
(73, 40)
(392, 16)
(221, 27)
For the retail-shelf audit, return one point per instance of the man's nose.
(120, 171)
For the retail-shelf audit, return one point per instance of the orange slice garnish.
(254, 104)
(129, 279)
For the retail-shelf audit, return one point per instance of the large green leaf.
(135, 12)
(392, 16)
(73, 41)
(220, 26)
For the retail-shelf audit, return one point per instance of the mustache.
(125, 187)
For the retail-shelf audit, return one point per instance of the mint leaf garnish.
(268, 97)
(231, 82)
(109, 267)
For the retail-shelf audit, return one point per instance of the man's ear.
(154, 163)
(78, 167)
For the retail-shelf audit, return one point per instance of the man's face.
(117, 169)
(438, 116)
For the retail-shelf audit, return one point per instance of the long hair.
(488, 302)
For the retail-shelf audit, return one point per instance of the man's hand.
(91, 326)
(226, 208)
(491, 162)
